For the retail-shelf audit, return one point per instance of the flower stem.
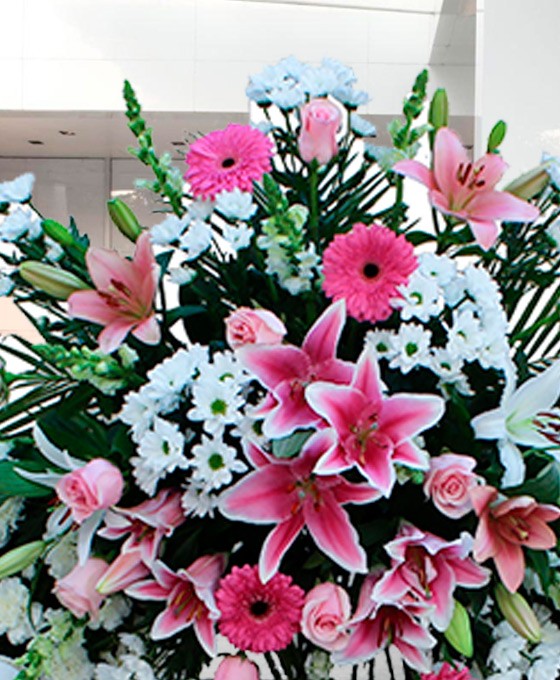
(272, 665)
(314, 202)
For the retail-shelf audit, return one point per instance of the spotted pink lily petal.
(373, 432)
(466, 190)
(128, 568)
(285, 370)
(124, 299)
(189, 594)
(287, 493)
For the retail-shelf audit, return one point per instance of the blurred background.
(63, 63)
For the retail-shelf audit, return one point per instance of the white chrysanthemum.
(198, 502)
(465, 335)
(454, 292)
(196, 239)
(481, 286)
(6, 285)
(361, 127)
(200, 209)
(381, 342)
(168, 231)
(17, 190)
(10, 513)
(288, 97)
(236, 204)
(545, 668)
(169, 380)
(318, 82)
(411, 346)
(224, 368)
(112, 613)
(64, 556)
(181, 275)
(507, 652)
(447, 365)
(138, 412)
(214, 463)
(14, 618)
(512, 674)
(350, 97)
(16, 224)
(160, 452)
(217, 403)
(420, 298)
(439, 267)
(238, 237)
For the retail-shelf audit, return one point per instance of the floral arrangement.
(297, 417)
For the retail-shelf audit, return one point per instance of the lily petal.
(277, 544)
(322, 338)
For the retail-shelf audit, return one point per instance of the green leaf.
(418, 237)
(183, 312)
(290, 446)
(496, 136)
(12, 484)
(545, 488)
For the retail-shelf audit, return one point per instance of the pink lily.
(466, 190)
(189, 594)
(124, 570)
(507, 525)
(374, 432)
(286, 492)
(146, 523)
(376, 625)
(124, 299)
(286, 370)
(425, 570)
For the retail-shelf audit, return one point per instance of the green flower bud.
(20, 558)
(496, 137)
(530, 183)
(518, 613)
(459, 633)
(51, 280)
(124, 219)
(439, 110)
(58, 233)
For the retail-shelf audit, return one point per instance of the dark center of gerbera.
(228, 162)
(370, 270)
(259, 608)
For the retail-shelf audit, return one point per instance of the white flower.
(236, 204)
(14, 619)
(420, 298)
(382, 342)
(181, 276)
(138, 412)
(238, 237)
(70, 660)
(465, 335)
(361, 127)
(454, 291)
(411, 346)
(553, 231)
(287, 97)
(16, 224)
(198, 502)
(481, 286)
(224, 368)
(112, 613)
(506, 652)
(169, 380)
(526, 416)
(11, 512)
(217, 403)
(318, 82)
(18, 190)
(160, 452)
(440, 267)
(200, 209)
(64, 556)
(214, 462)
(54, 250)
(196, 239)
(545, 668)
(512, 674)
(168, 231)
(350, 97)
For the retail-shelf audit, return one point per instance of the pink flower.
(320, 121)
(96, 486)
(255, 616)
(365, 267)
(76, 591)
(285, 371)
(325, 616)
(124, 299)
(286, 493)
(424, 572)
(465, 190)
(374, 432)
(375, 626)
(189, 595)
(226, 159)
(126, 569)
(236, 668)
(246, 326)
(146, 523)
(448, 482)
(505, 526)
(447, 672)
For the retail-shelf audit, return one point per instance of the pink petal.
(441, 590)
(87, 304)
(486, 544)
(340, 405)
(113, 335)
(206, 633)
(359, 494)
(167, 624)
(377, 466)
(441, 202)
(485, 232)
(411, 455)
(510, 564)
(364, 642)
(167, 578)
(414, 657)
(105, 266)
(417, 171)
(261, 497)
(492, 167)
(500, 205)
(291, 412)
(481, 497)
(541, 536)
(333, 532)
(256, 456)
(322, 338)
(273, 365)
(366, 378)
(205, 572)
(405, 415)
(333, 462)
(449, 153)
(277, 543)
(468, 574)
(147, 590)
(391, 587)
(148, 331)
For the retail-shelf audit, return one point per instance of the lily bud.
(439, 110)
(20, 558)
(530, 183)
(124, 219)
(518, 614)
(459, 633)
(57, 232)
(496, 136)
(51, 280)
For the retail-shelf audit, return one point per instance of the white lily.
(525, 417)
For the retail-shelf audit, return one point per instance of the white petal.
(52, 453)
(44, 478)
(512, 460)
(537, 394)
(85, 535)
(490, 425)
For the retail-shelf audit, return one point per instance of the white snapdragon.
(6, 285)
(236, 204)
(112, 613)
(63, 557)
(200, 209)
(11, 512)
(214, 463)
(14, 617)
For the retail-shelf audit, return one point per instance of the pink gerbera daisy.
(226, 159)
(255, 616)
(364, 267)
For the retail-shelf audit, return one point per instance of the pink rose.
(97, 485)
(320, 121)
(326, 612)
(448, 482)
(236, 668)
(246, 326)
(76, 591)
(447, 672)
